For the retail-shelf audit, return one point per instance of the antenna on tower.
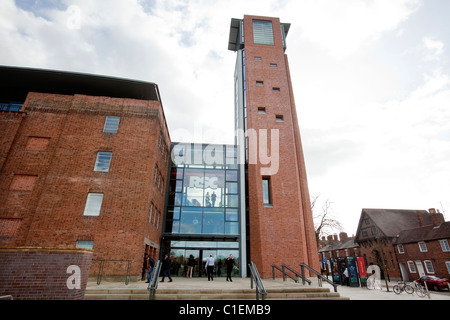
(443, 211)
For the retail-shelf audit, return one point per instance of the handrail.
(319, 276)
(255, 277)
(153, 285)
(283, 273)
(102, 264)
(296, 273)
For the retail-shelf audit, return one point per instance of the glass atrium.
(203, 213)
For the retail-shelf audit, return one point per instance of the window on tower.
(263, 32)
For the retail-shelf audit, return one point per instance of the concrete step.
(304, 293)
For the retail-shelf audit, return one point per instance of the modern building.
(279, 222)
(87, 162)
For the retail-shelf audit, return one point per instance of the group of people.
(149, 264)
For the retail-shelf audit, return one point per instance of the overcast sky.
(371, 80)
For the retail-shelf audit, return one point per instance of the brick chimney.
(437, 218)
(330, 239)
(343, 236)
(420, 218)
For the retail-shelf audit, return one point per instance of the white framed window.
(423, 246)
(85, 245)
(429, 266)
(412, 267)
(447, 264)
(93, 204)
(103, 162)
(400, 248)
(111, 125)
(444, 245)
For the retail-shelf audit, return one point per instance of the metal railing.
(255, 277)
(153, 285)
(320, 277)
(283, 272)
(102, 265)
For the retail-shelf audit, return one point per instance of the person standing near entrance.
(166, 268)
(230, 264)
(209, 266)
(190, 266)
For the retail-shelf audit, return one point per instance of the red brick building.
(280, 224)
(83, 164)
(383, 233)
(425, 250)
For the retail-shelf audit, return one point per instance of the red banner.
(362, 269)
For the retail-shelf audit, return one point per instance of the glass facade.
(203, 214)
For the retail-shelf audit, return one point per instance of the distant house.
(379, 231)
(332, 247)
(424, 250)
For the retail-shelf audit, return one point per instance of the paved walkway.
(221, 283)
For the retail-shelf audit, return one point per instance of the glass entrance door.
(180, 259)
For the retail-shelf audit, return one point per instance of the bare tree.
(324, 222)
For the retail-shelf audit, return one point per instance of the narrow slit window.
(276, 89)
(266, 192)
(260, 83)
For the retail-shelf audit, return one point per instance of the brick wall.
(43, 274)
(283, 232)
(49, 170)
(434, 254)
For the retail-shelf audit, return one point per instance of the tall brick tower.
(279, 222)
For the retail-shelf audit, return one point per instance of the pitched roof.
(426, 233)
(392, 221)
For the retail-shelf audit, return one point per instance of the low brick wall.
(44, 273)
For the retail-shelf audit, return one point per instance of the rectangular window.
(85, 245)
(262, 32)
(103, 162)
(412, 267)
(266, 192)
(273, 65)
(276, 89)
(429, 266)
(258, 59)
(444, 245)
(111, 125)
(400, 248)
(93, 204)
(259, 83)
(423, 247)
(447, 264)
(262, 110)
(279, 118)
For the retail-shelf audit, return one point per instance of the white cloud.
(343, 27)
(435, 48)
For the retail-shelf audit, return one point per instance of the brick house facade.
(425, 250)
(381, 231)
